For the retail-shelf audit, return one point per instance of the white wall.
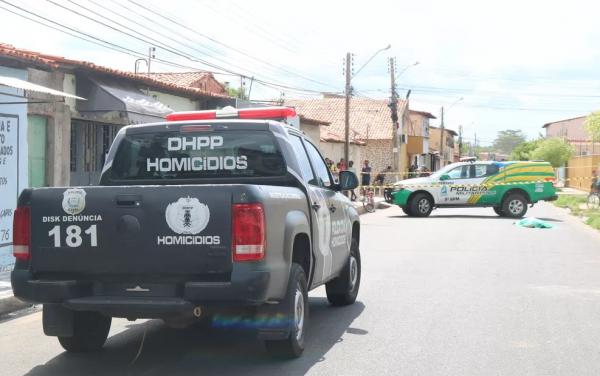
(312, 131)
(335, 151)
(69, 86)
(174, 102)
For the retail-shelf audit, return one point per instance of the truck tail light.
(21, 233)
(248, 228)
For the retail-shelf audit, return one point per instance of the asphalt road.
(460, 293)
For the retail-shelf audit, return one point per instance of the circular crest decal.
(73, 201)
(187, 216)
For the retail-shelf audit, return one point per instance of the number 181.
(73, 236)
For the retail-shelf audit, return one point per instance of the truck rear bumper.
(141, 300)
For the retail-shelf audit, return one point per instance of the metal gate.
(90, 143)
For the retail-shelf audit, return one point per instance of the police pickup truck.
(507, 187)
(203, 216)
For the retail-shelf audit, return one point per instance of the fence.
(580, 169)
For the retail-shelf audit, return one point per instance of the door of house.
(90, 142)
(36, 138)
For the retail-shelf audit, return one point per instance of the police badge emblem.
(73, 201)
(187, 216)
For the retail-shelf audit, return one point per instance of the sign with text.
(9, 174)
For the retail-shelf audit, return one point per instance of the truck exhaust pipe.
(197, 311)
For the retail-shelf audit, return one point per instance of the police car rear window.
(214, 154)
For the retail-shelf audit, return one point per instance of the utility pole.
(475, 146)
(151, 55)
(442, 139)
(460, 141)
(347, 112)
(394, 107)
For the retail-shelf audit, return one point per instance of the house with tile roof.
(371, 129)
(201, 80)
(69, 138)
(445, 155)
(419, 154)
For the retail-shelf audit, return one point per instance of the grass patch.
(572, 202)
(594, 220)
(576, 204)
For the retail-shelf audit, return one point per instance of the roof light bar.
(230, 112)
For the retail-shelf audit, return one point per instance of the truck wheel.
(90, 330)
(343, 290)
(406, 210)
(296, 307)
(420, 205)
(498, 210)
(514, 205)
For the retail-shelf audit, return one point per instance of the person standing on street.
(353, 170)
(365, 174)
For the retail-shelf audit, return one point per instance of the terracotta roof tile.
(56, 62)
(369, 119)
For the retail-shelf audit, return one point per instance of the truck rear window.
(193, 155)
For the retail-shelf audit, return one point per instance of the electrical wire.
(183, 26)
(103, 43)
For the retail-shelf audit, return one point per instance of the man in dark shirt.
(365, 174)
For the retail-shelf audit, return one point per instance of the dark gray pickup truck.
(196, 219)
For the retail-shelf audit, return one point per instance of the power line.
(181, 25)
(103, 43)
(148, 41)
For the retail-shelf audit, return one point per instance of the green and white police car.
(507, 187)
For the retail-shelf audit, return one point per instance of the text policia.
(212, 163)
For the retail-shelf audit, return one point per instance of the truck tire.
(343, 290)
(514, 205)
(498, 210)
(296, 308)
(406, 210)
(420, 205)
(90, 330)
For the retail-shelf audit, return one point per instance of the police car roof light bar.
(277, 112)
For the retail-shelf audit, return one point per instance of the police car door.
(452, 191)
(329, 214)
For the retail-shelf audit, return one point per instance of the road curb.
(11, 304)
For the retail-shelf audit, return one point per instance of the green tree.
(524, 150)
(508, 139)
(555, 150)
(592, 125)
(235, 92)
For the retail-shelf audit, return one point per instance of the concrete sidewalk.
(8, 303)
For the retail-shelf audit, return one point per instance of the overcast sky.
(516, 64)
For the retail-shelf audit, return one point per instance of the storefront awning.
(106, 97)
(28, 86)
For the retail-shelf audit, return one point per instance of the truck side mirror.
(348, 181)
(445, 177)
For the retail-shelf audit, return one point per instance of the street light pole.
(442, 130)
(348, 92)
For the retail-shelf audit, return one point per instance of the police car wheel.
(295, 306)
(498, 210)
(343, 290)
(406, 210)
(420, 205)
(514, 206)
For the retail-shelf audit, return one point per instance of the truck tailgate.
(134, 230)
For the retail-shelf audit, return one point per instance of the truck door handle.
(316, 206)
(332, 209)
(128, 200)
